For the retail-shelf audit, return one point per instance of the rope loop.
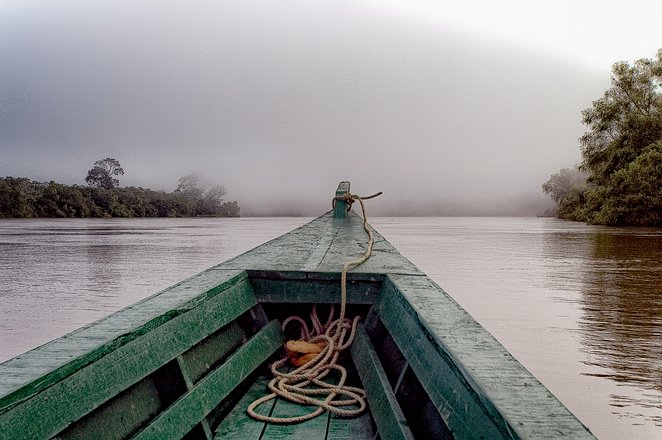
(323, 346)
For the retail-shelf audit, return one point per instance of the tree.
(567, 188)
(17, 197)
(101, 176)
(230, 209)
(203, 198)
(21, 197)
(621, 151)
(626, 120)
(192, 186)
(560, 185)
(623, 145)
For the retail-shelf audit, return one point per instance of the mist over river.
(580, 306)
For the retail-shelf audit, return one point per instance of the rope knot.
(351, 198)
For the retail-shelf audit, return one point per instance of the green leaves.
(21, 197)
(621, 152)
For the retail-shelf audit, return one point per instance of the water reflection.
(621, 323)
(58, 275)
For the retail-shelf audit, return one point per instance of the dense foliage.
(622, 153)
(21, 197)
(567, 189)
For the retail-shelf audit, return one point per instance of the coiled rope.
(332, 338)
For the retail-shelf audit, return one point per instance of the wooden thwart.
(191, 408)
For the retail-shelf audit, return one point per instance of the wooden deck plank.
(319, 251)
(310, 429)
(193, 406)
(334, 240)
(430, 328)
(356, 428)
(237, 424)
(391, 423)
(40, 368)
(88, 388)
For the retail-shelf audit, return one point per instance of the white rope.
(334, 337)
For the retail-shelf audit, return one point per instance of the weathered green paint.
(356, 428)
(419, 410)
(392, 359)
(88, 388)
(475, 382)
(310, 429)
(340, 209)
(186, 374)
(391, 423)
(186, 412)
(312, 277)
(205, 355)
(119, 418)
(323, 245)
(316, 428)
(458, 404)
(323, 292)
(237, 424)
(184, 368)
(38, 369)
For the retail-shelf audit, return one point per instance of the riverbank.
(24, 198)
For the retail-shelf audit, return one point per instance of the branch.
(642, 111)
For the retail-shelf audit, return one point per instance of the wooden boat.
(186, 362)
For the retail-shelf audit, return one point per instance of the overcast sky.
(444, 106)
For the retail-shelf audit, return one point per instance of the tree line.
(24, 198)
(619, 181)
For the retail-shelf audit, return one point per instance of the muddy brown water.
(580, 306)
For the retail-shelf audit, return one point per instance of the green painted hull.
(186, 362)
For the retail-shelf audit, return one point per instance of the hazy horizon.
(456, 110)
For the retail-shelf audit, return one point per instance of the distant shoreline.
(22, 198)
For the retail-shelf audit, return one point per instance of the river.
(580, 306)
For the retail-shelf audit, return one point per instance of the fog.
(279, 101)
